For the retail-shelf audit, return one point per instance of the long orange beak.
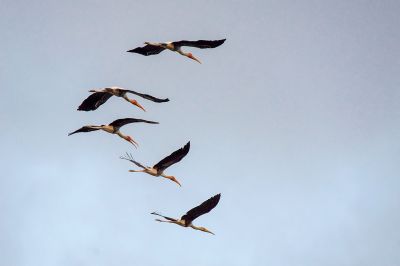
(175, 180)
(134, 143)
(210, 232)
(134, 102)
(206, 230)
(194, 58)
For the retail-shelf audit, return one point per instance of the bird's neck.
(195, 227)
(164, 175)
(121, 135)
(200, 228)
(182, 52)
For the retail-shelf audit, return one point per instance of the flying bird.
(101, 96)
(156, 48)
(114, 127)
(158, 169)
(187, 219)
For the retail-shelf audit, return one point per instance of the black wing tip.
(216, 197)
(149, 122)
(74, 132)
(84, 109)
(186, 148)
(136, 120)
(187, 145)
(138, 50)
(220, 42)
(159, 100)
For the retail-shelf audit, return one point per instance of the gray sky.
(295, 120)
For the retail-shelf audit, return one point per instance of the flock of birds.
(99, 97)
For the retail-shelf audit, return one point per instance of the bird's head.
(134, 102)
(190, 55)
(129, 139)
(205, 230)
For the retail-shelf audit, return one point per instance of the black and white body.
(187, 219)
(158, 169)
(114, 127)
(155, 48)
(101, 96)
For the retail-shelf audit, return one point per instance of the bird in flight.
(187, 219)
(156, 48)
(158, 169)
(99, 97)
(114, 127)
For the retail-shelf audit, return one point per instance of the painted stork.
(156, 48)
(158, 169)
(114, 127)
(187, 219)
(99, 97)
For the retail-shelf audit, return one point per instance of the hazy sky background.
(295, 120)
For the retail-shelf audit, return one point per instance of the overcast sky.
(295, 120)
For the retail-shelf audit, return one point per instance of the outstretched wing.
(84, 129)
(129, 157)
(147, 50)
(173, 158)
(203, 208)
(202, 44)
(94, 101)
(149, 97)
(121, 122)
